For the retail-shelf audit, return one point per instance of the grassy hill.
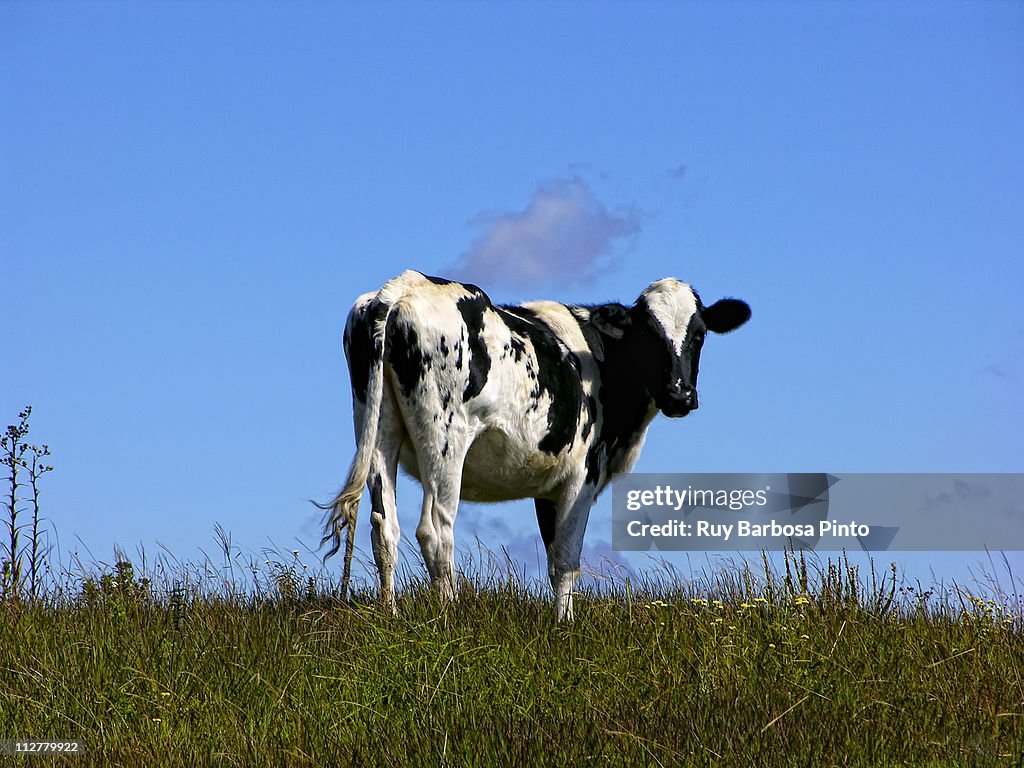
(796, 668)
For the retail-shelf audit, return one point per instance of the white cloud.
(565, 234)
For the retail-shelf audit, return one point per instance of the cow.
(493, 402)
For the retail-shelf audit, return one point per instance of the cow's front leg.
(562, 527)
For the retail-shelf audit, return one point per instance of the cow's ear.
(611, 320)
(726, 315)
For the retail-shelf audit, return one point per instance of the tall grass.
(262, 664)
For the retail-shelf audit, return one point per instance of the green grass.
(746, 669)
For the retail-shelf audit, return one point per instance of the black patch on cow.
(404, 354)
(472, 310)
(360, 347)
(594, 458)
(558, 374)
(591, 404)
(625, 366)
(546, 520)
(518, 348)
(624, 408)
(377, 495)
(445, 281)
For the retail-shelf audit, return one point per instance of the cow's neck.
(627, 408)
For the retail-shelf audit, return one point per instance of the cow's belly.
(499, 469)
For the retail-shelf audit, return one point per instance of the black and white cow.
(487, 402)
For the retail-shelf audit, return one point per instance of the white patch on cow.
(672, 305)
(412, 283)
(565, 322)
(562, 322)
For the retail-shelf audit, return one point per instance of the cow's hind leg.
(435, 534)
(436, 529)
(385, 532)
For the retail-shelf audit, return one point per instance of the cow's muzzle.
(680, 401)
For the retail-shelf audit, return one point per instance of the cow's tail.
(343, 510)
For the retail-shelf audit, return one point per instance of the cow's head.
(664, 332)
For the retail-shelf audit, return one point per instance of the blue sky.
(192, 194)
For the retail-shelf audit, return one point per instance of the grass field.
(808, 666)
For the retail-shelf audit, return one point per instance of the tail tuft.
(340, 517)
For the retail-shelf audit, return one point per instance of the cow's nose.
(684, 394)
(689, 397)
